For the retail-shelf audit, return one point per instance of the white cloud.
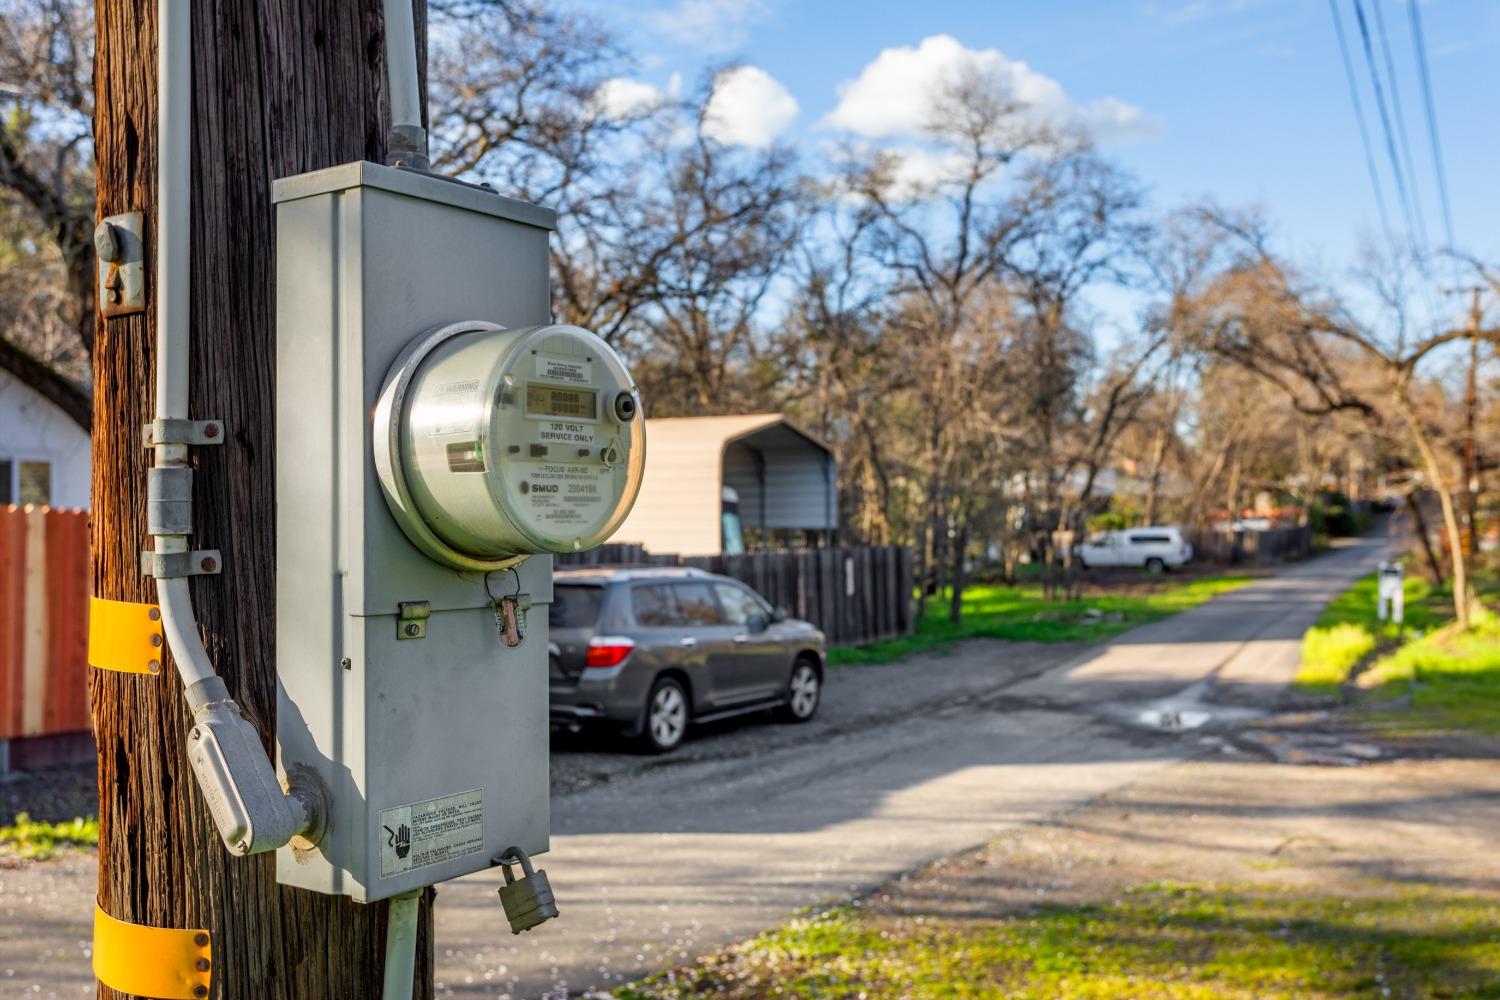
(895, 93)
(918, 171)
(710, 26)
(749, 107)
(620, 97)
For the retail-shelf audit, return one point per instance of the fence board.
(812, 584)
(44, 588)
(1251, 547)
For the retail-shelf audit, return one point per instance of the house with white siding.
(44, 453)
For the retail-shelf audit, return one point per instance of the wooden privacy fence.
(44, 599)
(855, 595)
(1241, 547)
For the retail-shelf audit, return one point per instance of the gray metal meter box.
(436, 438)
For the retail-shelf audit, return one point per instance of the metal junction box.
(428, 731)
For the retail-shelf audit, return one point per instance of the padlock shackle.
(514, 856)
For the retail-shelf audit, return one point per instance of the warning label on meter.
(453, 408)
(551, 368)
(431, 832)
(563, 495)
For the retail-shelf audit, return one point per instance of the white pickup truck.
(1155, 548)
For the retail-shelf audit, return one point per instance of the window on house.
(7, 489)
(34, 484)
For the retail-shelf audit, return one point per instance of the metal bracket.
(411, 622)
(177, 431)
(172, 565)
(125, 636)
(120, 245)
(148, 961)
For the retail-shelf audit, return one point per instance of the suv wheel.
(1155, 565)
(803, 692)
(666, 716)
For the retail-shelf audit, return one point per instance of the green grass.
(1450, 679)
(1162, 940)
(28, 838)
(1023, 612)
(1348, 631)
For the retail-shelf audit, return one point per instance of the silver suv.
(649, 651)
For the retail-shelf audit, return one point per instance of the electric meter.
(494, 444)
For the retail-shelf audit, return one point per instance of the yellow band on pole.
(158, 962)
(125, 636)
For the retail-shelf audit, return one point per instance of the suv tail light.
(608, 651)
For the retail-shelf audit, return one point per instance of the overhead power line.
(1359, 117)
(1401, 132)
(1432, 130)
(1402, 194)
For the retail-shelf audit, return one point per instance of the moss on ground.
(1160, 940)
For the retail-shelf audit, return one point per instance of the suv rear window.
(658, 604)
(1150, 539)
(575, 606)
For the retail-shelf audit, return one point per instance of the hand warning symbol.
(400, 839)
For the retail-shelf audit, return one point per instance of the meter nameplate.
(562, 495)
(431, 832)
(573, 371)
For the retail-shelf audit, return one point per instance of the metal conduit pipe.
(252, 812)
(408, 140)
(401, 946)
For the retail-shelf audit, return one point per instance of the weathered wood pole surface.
(279, 87)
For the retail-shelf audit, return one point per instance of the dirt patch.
(1212, 878)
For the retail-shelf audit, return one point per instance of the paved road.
(657, 860)
(653, 865)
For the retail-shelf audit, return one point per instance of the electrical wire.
(1402, 194)
(1401, 131)
(1420, 43)
(1359, 117)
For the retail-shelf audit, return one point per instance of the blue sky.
(1244, 101)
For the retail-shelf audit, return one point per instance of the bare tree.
(46, 197)
(1262, 316)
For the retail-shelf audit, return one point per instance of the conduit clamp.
(174, 430)
(171, 565)
(159, 962)
(125, 636)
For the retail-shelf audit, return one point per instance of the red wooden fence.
(44, 600)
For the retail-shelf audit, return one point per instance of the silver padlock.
(528, 901)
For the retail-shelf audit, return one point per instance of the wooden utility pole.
(1471, 408)
(279, 87)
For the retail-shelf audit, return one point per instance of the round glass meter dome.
(494, 444)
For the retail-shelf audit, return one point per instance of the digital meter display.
(551, 401)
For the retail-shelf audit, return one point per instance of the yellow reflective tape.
(159, 962)
(125, 636)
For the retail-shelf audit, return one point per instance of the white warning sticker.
(576, 371)
(431, 832)
(454, 408)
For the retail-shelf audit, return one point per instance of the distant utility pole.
(1471, 408)
(279, 87)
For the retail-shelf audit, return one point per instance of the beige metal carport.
(785, 478)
